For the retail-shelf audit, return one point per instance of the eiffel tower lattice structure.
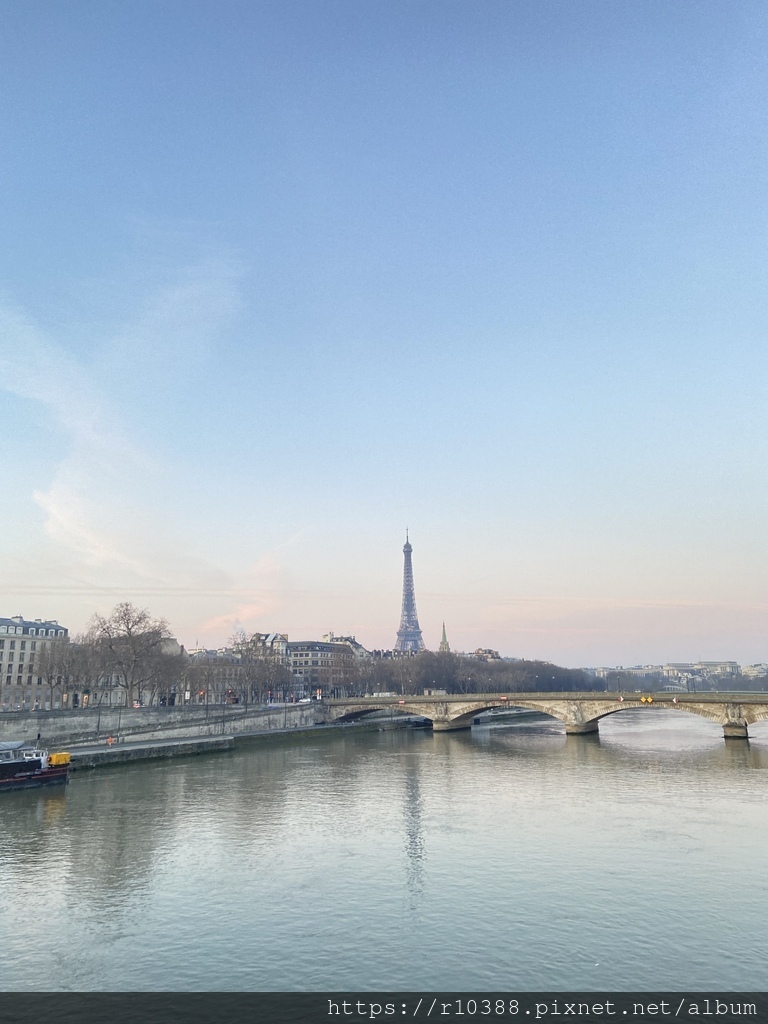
(409, 635)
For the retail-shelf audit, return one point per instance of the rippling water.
(512, 857)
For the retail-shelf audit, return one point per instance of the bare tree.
(80, 665)
(210, 681)
(52, 667)
(132, 644)
(439, 670)
(404, 673)
(263, 668)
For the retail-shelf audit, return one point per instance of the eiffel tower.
(409, 634)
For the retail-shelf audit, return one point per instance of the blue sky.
(281, 279)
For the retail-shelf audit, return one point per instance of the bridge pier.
(450, 726)
(581, 728)
(735, 731)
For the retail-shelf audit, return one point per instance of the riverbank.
(58, 730)
(105, 754)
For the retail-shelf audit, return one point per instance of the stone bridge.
(579, 712)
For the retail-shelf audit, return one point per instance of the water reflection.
(414, 837)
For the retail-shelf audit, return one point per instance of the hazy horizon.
(282, 279)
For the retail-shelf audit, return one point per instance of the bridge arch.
(467, 717)
(705, 712)
(355, 714)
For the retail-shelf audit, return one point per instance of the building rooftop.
(31, 627)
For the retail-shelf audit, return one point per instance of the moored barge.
(24, 766)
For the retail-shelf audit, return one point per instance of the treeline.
(743, 684)
(129, 656)
(455, 674)
(618, 681)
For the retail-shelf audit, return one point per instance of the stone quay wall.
(96, 725)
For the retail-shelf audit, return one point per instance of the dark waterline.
(511, 857)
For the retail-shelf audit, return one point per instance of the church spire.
(444, 648)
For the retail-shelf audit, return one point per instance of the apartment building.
(23, 644)
(321, 667)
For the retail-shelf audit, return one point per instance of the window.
(13, 645)
(32, 646)
(2, 644)
(23, 645)
(32, 632)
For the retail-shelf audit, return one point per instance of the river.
(509, 857)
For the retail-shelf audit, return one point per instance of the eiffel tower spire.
(409, 634)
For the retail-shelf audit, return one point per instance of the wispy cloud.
(105, 503)
(98, 459)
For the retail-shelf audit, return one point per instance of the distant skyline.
(283, 278)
